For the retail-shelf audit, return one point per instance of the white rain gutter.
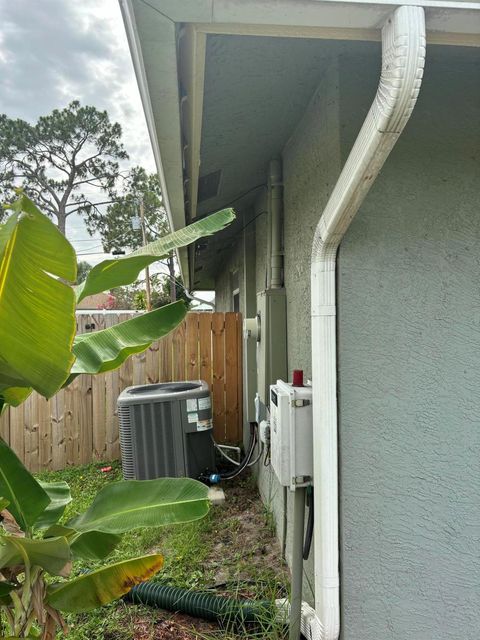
(403, 57)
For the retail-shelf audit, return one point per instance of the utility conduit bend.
(403, 57)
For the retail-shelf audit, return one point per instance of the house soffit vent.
(208, 185)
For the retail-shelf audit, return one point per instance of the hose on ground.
(202, 605)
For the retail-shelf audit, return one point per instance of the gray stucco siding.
(409, 374)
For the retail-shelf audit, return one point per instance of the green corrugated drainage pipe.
(201, 604)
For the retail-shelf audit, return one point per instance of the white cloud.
(56, 51)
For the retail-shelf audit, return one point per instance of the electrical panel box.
(271, 340)
(291, 434)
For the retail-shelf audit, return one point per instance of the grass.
(232, 545)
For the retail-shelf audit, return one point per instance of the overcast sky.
(56, 51)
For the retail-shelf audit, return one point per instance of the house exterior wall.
(409, 371)
(408, 348)
(232, 261)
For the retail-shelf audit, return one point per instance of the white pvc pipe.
(276, 205)
(403, 57)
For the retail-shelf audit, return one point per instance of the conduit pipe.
(403, 57)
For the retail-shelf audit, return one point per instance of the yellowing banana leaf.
(37, 310)
(60, 496)
(131, 504)
(124, 270)
(107, 349)
(100, 587)
(26, 497)
(52, 554)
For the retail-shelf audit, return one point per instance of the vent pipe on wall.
(275, 185)
(403, 57)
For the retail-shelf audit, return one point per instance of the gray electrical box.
(271, 340)
(166, 430)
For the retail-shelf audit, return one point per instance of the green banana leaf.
(90, 545)
(52, 554)
(13, 395)
(124, 270)
(100, 587)
(60, 496)
(123, 506)
(94, 545)
(6, 587)
(107, 349)
(26, 497)
(37, 309)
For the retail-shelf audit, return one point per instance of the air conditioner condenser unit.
(166, 430)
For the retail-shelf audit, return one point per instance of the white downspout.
(403, 57)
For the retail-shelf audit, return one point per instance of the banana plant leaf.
(6, 587)
(124, 270)
(100, 587)
(13, 395)
(108, 349)
(90, 545)
(52, 554)
(127, 505)
(26, 497)
(94, 545)
(37, 309)
(60, 496)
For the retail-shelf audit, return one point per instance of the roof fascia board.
(163, 114)
(307, 11)
(183, 10)
(460, 38)
(192, 69)
(458, 19)
(288, 31)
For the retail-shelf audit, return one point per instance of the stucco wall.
(409, 363)
(231, 261)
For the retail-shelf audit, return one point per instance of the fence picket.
(192, 346)
(58, 431)
(205, 344)
(218, 384)
(232, 407)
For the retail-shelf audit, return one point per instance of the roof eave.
(174, 123)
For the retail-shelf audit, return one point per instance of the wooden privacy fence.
(80, 425)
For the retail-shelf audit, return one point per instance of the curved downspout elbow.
(403, 57)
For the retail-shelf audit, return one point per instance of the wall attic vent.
(208, 185)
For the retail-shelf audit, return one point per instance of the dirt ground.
(246, 562)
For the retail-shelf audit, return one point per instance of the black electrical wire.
(266, 460)
(310, 524)
(244, 464)
(229, 204)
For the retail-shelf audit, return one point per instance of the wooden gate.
(80, 425)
